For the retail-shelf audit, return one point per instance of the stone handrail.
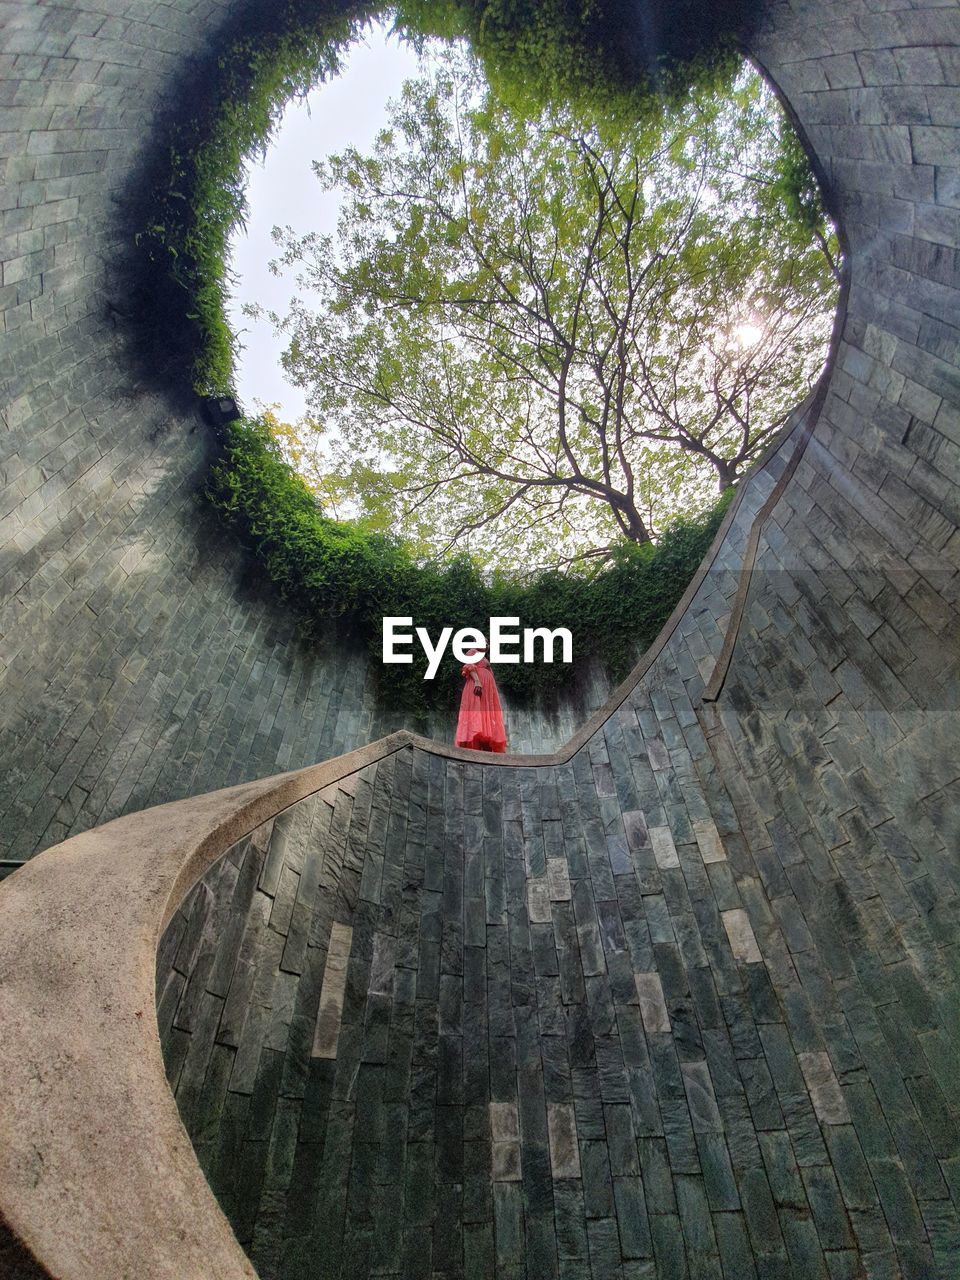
(99, 1179)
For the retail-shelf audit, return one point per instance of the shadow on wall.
(15, 1262)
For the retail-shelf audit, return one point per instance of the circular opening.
(549, 332)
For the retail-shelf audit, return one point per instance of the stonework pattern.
(684, 1005)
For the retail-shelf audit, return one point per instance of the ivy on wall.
(590, 48)
(339, 575)
(196, 200)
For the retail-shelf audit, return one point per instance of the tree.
(535, 337)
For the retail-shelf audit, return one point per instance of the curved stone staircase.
(678, 1000)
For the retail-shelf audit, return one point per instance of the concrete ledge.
(98, 1179)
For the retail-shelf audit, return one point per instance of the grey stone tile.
(743, 942)
(564, 1147)
(653, 1008)
(824, 1088)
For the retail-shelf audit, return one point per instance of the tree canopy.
(535, 336)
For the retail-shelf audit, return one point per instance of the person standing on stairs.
(480, 724)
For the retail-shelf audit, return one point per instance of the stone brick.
(793, 1115)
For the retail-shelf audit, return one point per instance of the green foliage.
(533, 50)
(596, 50)
(796, 186)
(199, 203)
(795, 191)
(533, 335)
(345, 576)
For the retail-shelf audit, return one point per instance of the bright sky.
(348, 111)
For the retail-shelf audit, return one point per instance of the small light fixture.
(219, 410)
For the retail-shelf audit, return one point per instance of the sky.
(282, 191)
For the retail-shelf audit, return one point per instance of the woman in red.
(480, 725)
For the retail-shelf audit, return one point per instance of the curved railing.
(97, 1175)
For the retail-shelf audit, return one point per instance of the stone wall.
(744, 1006)
(686, 1004)
(681, 1002)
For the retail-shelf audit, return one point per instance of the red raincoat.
(480, 724)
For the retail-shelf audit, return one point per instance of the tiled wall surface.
(686, 1005)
